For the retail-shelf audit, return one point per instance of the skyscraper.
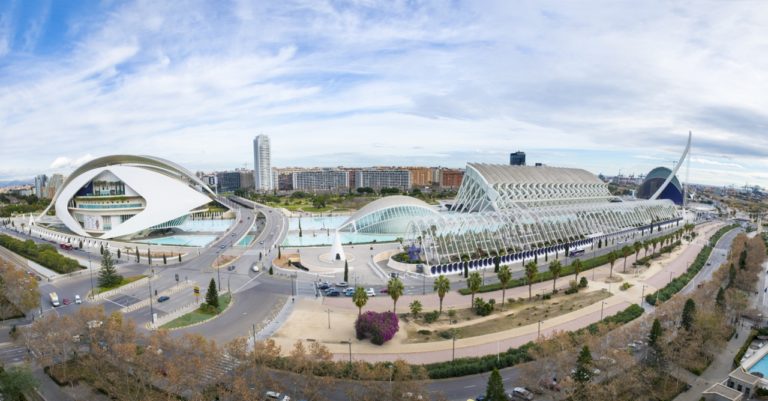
(40, 182)
(262, 166)
(517, 158)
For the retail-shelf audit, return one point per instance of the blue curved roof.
(652, 182)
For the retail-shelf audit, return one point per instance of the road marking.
(470, 386)
(247, 282)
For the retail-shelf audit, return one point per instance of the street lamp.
(349, 342)
(642, 296)
(602, 305)
(329, 317)
(539, 333)
(453, 349)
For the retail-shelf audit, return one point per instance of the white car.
(78, 300)
(255, 268)
(370, 292)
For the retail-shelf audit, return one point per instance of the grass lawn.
(198, 315)
(516, 315)
(126, 280)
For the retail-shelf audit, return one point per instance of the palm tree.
(654, 243)
(442, 286)
(625, 251)
(637, 246)
(612, 259)
(576, 268)
(360, 298)
(646, 245)
(504, 276)
(555, 267)
(395, 289)
(474, 281)
(531, 270)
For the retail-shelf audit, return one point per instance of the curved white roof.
(504, 174)
(163, 185)
(389, 202)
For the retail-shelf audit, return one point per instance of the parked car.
(332, 292)
(274, 395)
(323, 286)
(66, 301)
(231, 267)
(222, 246)
(77, 299)
(384, 290)
(370, 292)
(520, 393)
(349, 292)
(255, 268)
(163, 298)
(342, 284)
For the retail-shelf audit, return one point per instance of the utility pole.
(602, 305)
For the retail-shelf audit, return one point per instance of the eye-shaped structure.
(122, 196)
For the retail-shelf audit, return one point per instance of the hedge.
(44, 254)
(681, 281)
(513, 356)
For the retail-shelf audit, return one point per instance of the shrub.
(446, 334)
(625, 286)
(583, 282)
(431, 317)
(475, 365)
(380, 327)
(425, 332)
(571, 291)
(483, 308)
(44, 254)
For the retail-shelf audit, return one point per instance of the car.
(222, 246)
(261, 242)
(274, 395)
(342, 284)
(66, 301)
(520, 393)
(370, 292)
(231, 267)
(163, 298)
(349, 292)
(481, 397)
(323, 286)
(78, 300)
(255, 268)
(384, 290)
(332, 292)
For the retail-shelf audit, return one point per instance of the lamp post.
(453, 348)
(538, 335)
(90, 268)
(349, 342)
(642, 296)
(602, 305)
(329, 317)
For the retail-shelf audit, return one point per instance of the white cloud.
(63, 162)
(195, 82)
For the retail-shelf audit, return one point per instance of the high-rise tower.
(262, 166)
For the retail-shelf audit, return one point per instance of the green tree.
(346, 271)
(138, 257)
(442, 286)
(15, 382)
(360, 298)
(101, 249)
(637, 246)
(576, 268)
(689, 314)
(646, 245)
(583, 371)
(555, 268)
(466, 269)
(212, 295)
(531, 270)
(655, 335)
(495, 390)
(474, 281)
(279, 253)
(612, 259)
(108, 276)
(720, 299)
(271, 272)
(504, 275)
(625, 252)
(731, 274)
(415, 308)
(179, 257)
(743, 259)
(496, 264)
(395, 288)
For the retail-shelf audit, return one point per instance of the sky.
(606, 86)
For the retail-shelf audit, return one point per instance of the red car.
(66, 301)
(384, 290)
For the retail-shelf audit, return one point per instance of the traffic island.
(200, 315)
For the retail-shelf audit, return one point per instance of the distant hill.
(16, 182)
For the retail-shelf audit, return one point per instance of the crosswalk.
(12, 354)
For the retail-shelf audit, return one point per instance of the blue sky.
(606, 86)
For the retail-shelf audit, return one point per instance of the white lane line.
(247, 282)
(470, 386)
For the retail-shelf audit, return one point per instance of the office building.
(517, 158)
(53, 185)
(450, 178)
(40, 182)
(262, 164)
(228, 181)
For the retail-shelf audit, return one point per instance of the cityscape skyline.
(358, 85)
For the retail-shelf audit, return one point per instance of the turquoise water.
(761, 366)
(246, 240)
(316, 223)
(292, 239)
(216, 225)
(182, 240)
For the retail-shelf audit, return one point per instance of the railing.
(109, 206)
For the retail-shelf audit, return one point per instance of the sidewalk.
(718, 370)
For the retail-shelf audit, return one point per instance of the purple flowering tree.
(379, 327)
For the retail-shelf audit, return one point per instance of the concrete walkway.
(717, 371)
